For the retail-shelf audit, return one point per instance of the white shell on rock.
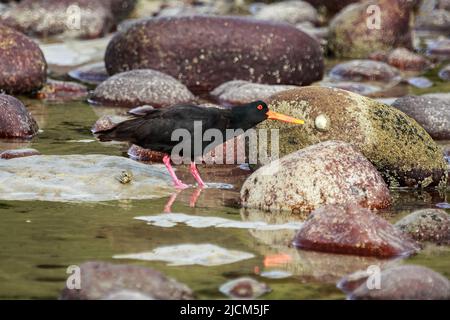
(322, 122)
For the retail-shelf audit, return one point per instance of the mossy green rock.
(395, 143)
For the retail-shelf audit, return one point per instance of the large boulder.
(331, 172)
(230, 48)
(397, 145)
(15, 120)
(351, 229)
(23, 67)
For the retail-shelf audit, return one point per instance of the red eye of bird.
(260, 107)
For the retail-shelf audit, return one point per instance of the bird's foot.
(180, 185)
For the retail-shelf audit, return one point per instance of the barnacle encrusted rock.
(15, 120)
(23, 67)
(396, 144)
(229, 48)
(332, 172)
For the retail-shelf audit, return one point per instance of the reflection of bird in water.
(193, 200)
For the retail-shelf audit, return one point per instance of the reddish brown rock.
(331, 172)
(106, 122)
(140, 154)
(404, 59)
(230, 48)
(18, 153)
(62, 91)
(23, 67)
(15, 120)
(351, 229)
(407, 282)
(365, 70)
(378, 56)
(244, 288)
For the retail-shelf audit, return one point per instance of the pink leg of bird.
(196, 175)
(177, 182)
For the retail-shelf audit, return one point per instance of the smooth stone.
(444, 73)
(331, 172)
(351, 229)
(401, 150)
(80, 178)
(356, 87)
(18, 153)
(15, 120)
(139, 87)
(439, 48)
(23, 67)
(238, 92)
(433, 17)
(204, 60)
(365, 70)
(431, 113)
(351, 37)
(420, 82)
(102, 280)
(244, 288)
(405, 59)
(93, 73)
(406, 282)
(288, 11)
(107, 122)
(427, 225)
(62, 91)
(140, 154)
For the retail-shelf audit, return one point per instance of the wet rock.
(80, 178)
(140, 111)
(107, 122)
(433, 16)
(102, 280)
(15, 120)
(431, 113)
(331, 172)
(74, 19)
(420, 82)
(140, 154)
(378, 56)
(238, 92)
(18, 153)
(62, 91)
(204, 60)
(331, 6)
(444, 73)
(244, 288)
(120, 8)
(351, 37)
(356, 87)
(93, 73)
(365, 70)
(288, 11)
(427, 225)
(439, 48)
(407, 282)
(23, 68)
(351, 229)
(138, 87)
(319, 33)
(404, 59)
(402, 151)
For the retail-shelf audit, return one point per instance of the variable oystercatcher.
(153, 130)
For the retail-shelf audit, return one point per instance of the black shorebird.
(153, 130)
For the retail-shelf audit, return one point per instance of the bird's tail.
(123, 131)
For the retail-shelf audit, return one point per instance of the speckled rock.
(401, 149)
(62, 91)
(439, 48)
(427, 225)
(431, 113)
(138, 87)
(44, 18)
(405, 59)
(15, 120)
(351, 229)
(107, 122)
(238, 92)
(244, 288)
(365, 70)
(444, 73)
(140, 154)
(101, 280)
(331, 172)
(406, 282)
(18, 153)
(93, 73)
(288, 11)
(230, 48)
(351, 37)
(23, 67)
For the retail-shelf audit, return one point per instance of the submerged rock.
(80, 178)
(356, 31)
(431, 113)
(15, 120)
(138, 87)
(62, 91)
(244, 288)
(427, 225)
(102, 280)
(18, 153)
(351, 229)
(230, 48)
(23, 67)
(365, 70)
(93, 73)
(405, 59)
(331, 172)
(407, 282)
(420, 82)
(238, 92)
(402, 151)
(444, 73)
(288, 11)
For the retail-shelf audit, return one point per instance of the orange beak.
(282, 117)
